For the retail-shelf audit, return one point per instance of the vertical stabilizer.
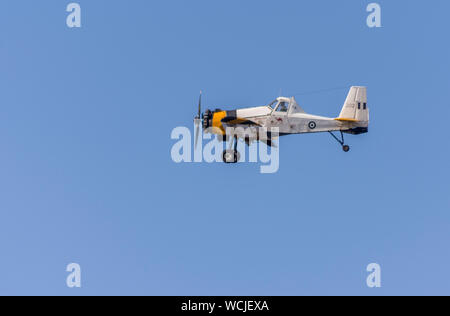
(355, 106)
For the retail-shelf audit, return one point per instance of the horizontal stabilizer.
(346, 120)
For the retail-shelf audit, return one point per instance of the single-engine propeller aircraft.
(286, 115)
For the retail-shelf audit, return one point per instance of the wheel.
(227, 156)
(346, 148)
(230, 156)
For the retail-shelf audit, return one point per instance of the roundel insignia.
(312, 125)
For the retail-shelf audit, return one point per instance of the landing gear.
(345, 148)
(231, 155)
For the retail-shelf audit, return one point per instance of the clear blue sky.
(86, 174)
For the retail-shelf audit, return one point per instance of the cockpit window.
(282, 107)
(279, 106)
(273, 104)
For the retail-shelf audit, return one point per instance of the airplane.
(286, 115)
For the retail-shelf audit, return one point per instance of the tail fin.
(355, 106)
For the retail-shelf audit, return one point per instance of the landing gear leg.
(341, 141)
(231, 155)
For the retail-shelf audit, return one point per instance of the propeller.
(198, 120)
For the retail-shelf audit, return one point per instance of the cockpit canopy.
(286, 105)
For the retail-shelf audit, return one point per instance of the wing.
(248, 130)
(230, 121)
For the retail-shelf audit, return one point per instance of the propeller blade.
(197, 133)
(200, 105)
(198, 120)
